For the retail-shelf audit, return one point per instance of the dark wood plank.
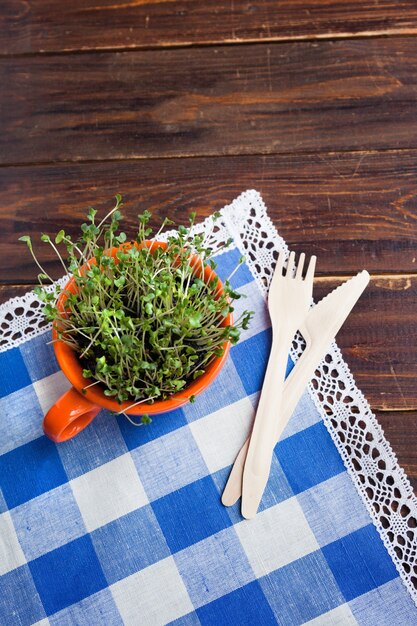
(29, 26)
(289, 98)
(352, 210)
(401, 431)
(13, 291)
(379, 340)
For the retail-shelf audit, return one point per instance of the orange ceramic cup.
(75, 410)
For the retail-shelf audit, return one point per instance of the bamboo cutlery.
(289, 301)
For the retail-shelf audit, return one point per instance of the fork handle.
(262, 440)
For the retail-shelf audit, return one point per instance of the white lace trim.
(21, 318)
(368, 457)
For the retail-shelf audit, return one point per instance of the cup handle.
(69, 416)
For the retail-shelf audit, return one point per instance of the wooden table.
(181, 104)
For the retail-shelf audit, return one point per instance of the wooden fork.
(289, 300)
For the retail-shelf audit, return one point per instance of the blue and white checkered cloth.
(124, 525)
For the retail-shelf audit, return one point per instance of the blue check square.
(21, 419)
(191, 514)
(309, 457)
(190, 619)
(302, 590)
(68, 574)
(96, 610)
(161, 425)
(19, 601)
(97, 444)
(29, 470)
(39, 357)
(13, 372)
(332, 509)
(359, 562)
(224, 390)
(214, 567)
(228, 609)
(56, 509)
(387, 605)
(129, 544)
(277, 489)
(305, 415)
(227, 263)
(251, 358)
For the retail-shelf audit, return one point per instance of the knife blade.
(320, 327)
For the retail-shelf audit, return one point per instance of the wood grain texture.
(13, 291)
(28, 26)
(351, 210)
(379, 340)
(282, 98)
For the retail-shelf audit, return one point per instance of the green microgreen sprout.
(143, 321)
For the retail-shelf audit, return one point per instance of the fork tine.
(279, 264)
(277, 271)
(299, 272)
(290, 265)
(311, 269)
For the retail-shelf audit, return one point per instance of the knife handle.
(233, 488)
(290, 396)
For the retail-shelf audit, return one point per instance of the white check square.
(254, 300)
(155, 595)
(108, 492)
(340, 616)
(11, 554)
(276, 537)
(51, 388)
(221, 434)
(21, 419)
(169, 463)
